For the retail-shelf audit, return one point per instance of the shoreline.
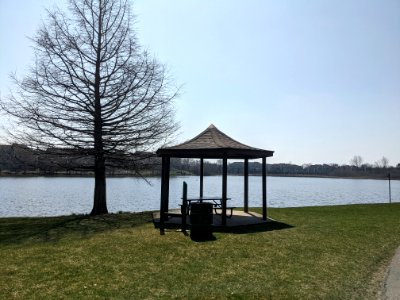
(177, 175)
(150, 212)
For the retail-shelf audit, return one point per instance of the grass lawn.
(337, 252)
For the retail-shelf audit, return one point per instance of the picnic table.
(216, 201)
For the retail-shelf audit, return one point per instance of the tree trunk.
(100, 200)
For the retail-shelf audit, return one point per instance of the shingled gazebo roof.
(213, 143)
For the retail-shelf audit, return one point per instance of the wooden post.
(264, 188)
(184, 206)
(201, 177)
(224, 188)
(164, 192)
(167, 184)
(246, 185)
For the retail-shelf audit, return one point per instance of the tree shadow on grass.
(52, 229)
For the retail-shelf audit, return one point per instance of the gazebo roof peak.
(213, 143)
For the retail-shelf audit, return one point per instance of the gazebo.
(213, 144)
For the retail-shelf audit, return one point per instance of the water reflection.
(50, 196)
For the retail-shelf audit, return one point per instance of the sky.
(315, 81)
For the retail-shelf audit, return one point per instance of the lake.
(52, 196)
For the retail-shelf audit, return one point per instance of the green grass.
(338, 252)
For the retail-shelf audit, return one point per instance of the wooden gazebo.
(213, 144)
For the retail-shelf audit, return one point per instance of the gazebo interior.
(214, 144)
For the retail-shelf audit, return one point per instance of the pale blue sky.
(316, 81)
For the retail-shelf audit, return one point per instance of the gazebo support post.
(224, 188)
(246, 185)
(201, 176)
(164, 191)
(184, 206)
(264, 188)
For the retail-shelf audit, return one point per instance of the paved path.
(391, 288)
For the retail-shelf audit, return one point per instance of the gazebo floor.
(238, 218)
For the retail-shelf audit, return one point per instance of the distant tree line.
(379, 169)
(21, 160)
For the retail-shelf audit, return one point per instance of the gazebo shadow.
(254, 228)
(239, 223)
(243, 229)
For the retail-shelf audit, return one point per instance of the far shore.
(175, 174)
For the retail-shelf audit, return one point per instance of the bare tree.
(92, 90)
(356, 161)
(382, 163)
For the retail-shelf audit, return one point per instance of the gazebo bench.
(218, 206)
(215, 207)
(173, 214)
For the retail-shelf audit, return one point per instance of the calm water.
(47, 196)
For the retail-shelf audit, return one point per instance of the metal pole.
(390, 190)
(246, 185)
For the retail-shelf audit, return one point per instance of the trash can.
(201, 220)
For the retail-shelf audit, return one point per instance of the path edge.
(391, 284)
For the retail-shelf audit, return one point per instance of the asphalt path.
(391, 287)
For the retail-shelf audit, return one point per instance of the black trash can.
(201, 220)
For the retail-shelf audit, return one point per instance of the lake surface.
(52, 196)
